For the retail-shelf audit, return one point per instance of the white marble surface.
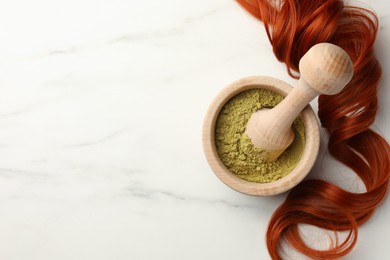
(101, 109)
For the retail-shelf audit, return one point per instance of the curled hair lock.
(293, 27)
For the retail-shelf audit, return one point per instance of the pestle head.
(325, 69)
(268, 148)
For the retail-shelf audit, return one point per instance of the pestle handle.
(325, 69)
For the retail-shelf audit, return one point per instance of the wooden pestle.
(324, 69)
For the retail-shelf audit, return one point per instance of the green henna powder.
(236, 149)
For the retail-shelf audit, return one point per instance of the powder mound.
(236, 149)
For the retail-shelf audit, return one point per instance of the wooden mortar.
(312, 82)
(309, 155)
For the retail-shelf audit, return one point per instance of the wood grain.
(225, 175)
(325, 69)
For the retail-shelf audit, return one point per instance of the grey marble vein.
(99, 141)
(139, 191)
(17, 173)
(43, 102)
(135, 37)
